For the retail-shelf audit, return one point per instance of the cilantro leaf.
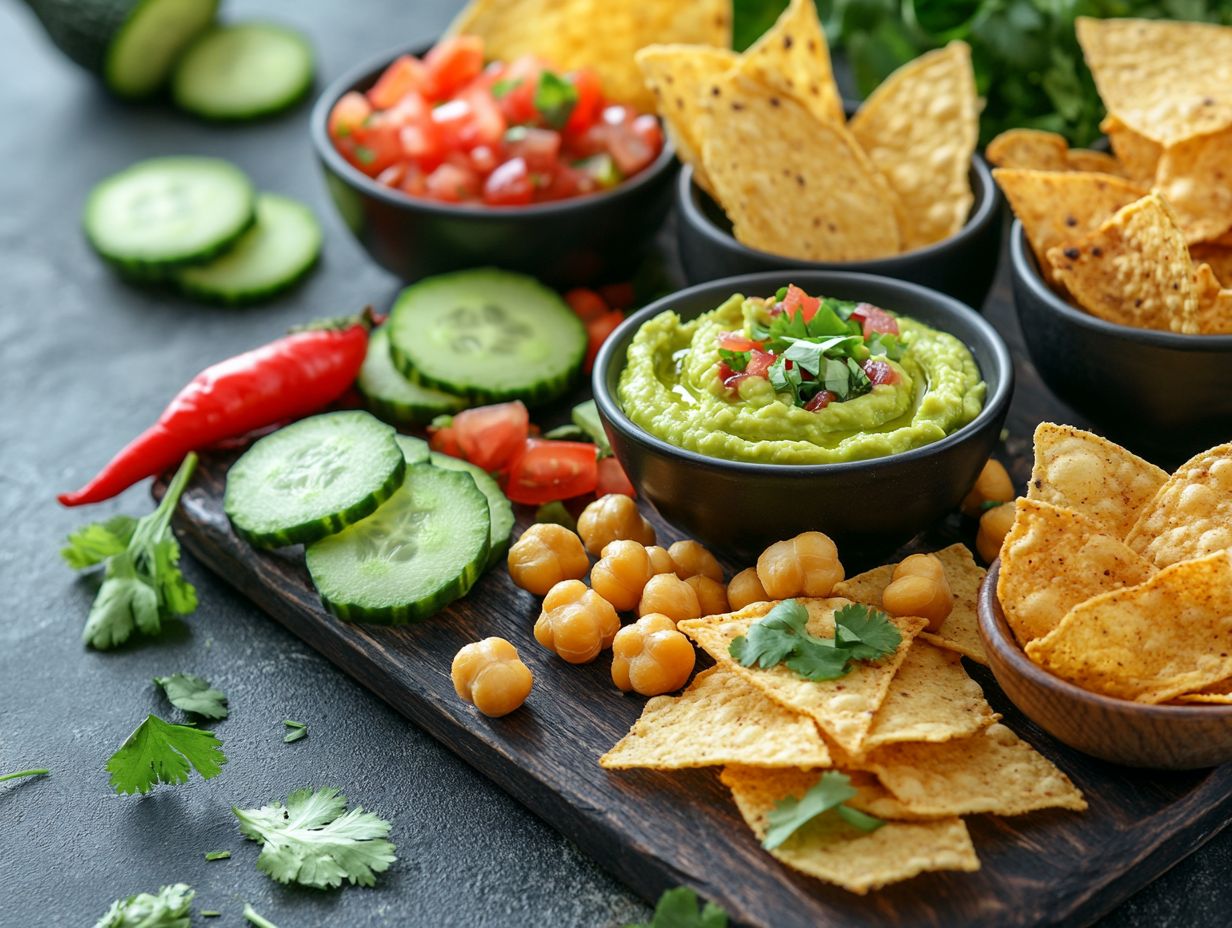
(773, 638)
(736, 360)
(193, 694)
(679, 908)
(254, 917)
(830, 792)
(816, 659)
(315, 841)
(94, 543)
(784, 379)
(217, 855)
(170, 907)
(858, 819)
(586, 417)
(159, 752)
(555, 99)
(867, 634)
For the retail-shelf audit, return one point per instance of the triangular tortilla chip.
(1087, 161)
(1217, 694)
(1218, 256)
(1191, 515)
(792, 57)
(1214, 302)
(1137, 154)
(1195, 177)
(1029, 150)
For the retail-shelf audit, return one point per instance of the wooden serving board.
(658, 830)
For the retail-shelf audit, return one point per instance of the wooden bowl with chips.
(1163, 737)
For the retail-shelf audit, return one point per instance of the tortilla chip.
(994, 771)
(718, 720)
(1086, 473)
(1057, 207)
(1214, 303)
(1195, 176)
(1219, 257)
(920, 128)
(931, 698)
(829, 206)
(1136, 154)
(1093, 162)
(1166, 80)
(602, 35)
(793, 58)
(1134, 270)
(1151, 642)
(1217, 694)
(831, 850)
(961, 629)
(1191, 515)
(843, 708)
(1052, 560)
(1029, 150)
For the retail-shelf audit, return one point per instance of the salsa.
(449, 127)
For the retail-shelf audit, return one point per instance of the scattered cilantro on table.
(256, 918)
(159, 752)
(40, 772)
(679, 908)
(194, 695)
(829, 793)
(170, 907)
(217, 855)
(297, 730)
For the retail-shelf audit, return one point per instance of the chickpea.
(545, 555)
(746, 589)
(576, 623)
(650, 657)
(669, 595)
(993, 485)
(612, 518)
(995, 524)
(920, 587)
(806, 565)
(621, 574)
(490, 674)
(711, 594)
(693, 560)
(660, 561)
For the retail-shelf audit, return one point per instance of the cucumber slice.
(270, 257)
(420, 551)
(243, 71)
(487, 335)
(169, 211)
(415, 450)
(500, 510)
(313, 478)
(391, 396)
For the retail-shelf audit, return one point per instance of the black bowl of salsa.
(597, 229)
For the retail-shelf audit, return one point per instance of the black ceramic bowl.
(1164, 395)
(868, 505)
(962, 266)
(598, 237)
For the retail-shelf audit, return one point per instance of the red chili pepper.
(286, 379)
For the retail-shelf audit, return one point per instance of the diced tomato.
(393, 175)
(628, 149)
(546, 471)
(820, 401)
(798, 299)
(874, 319)
(487, 126)
(509, 185)
(539, 148)
(414, 182)
(421, 144)
(452, 183)
(586, 303)
(880, 372)
(564, 182)
(759, 363)
(647, 128)
(348, 114)
(453, 62)
(445, 440)
(406, 74)
(738, 341)
(492, 436)
(483, 158)
(618, 296)
(520, 77)
(589, 103)
(376, 145)
(597, 331)
(613, 479)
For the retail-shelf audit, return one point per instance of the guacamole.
(795, 379)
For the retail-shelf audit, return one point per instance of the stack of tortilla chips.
(912, 731)
(1143, 238)
(766, 135)
(1117, 576)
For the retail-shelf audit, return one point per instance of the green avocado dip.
(796, 379)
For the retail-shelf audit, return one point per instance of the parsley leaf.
(170, 907)
(679, 908)
(830, 792)
(555, 99)
(315, 841)
(868, 634)
(159, 752)
(189, 693)
(94, 543)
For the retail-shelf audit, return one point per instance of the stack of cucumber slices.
(198, 224)
(393, 532)
(471, 337)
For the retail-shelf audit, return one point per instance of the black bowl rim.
(985, 212)
(319, 120)
(993, 407)
(1026, 270)
(996, 627)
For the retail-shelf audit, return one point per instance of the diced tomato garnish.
(487, 125)
(589, 103)
(539, 148)
(483, 159)
(445, 440)
(738, 341)
(376, 145)
(613, 479)
(452, 183)
(393, 175)
(798, 299)
(406, 74)
(520, 78)
(759, 363)
(546, 471)
(564, 182)
(874, 319)
(453, 62)
(820, 401)
(586, 303)
(492, 436)
(880, 372)
(628, 149)
(597, 331)
(422, 144)
(618, 296)
(647, 128)
(509, 185)
(414, 182)
(348, 114)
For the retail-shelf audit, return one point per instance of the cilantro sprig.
(194, 695)
(555, 97)
(170, 907)
(680, 908)
(830, 793)
(782, 637)
(159, 752)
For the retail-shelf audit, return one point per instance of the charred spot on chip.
(800, 180)
(814, 89)
(1097, 252)
(737, 106)
(1071, 221)
(787, 41)
(714, 91)
(1072, 253)
(774, 101)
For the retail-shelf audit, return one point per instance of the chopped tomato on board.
(597, 331)
(586, 303)
(444, 438)
(613, 479)
(547, 471)
(492, 436)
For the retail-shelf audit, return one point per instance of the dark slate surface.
(85, 363)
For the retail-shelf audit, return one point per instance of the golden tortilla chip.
(1166, 80)
(931, 698)
(843, 708)
(1136, 154)
(1195, 177)
(920, 128)
(1191, 515)
(1217, 694)
(793, 57)
(1151, 642)
(961, 629)
(678, 75)
(993, 771)
(1134, 270)
(718, 720)
(1214, 303)
(603, 35)
(831, 850)
(1094, 477)
(1052, 560)
(1029, 150)
(1219, 257)
(1088, 161)
(830, 205)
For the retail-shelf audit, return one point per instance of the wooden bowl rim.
(996, 634)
